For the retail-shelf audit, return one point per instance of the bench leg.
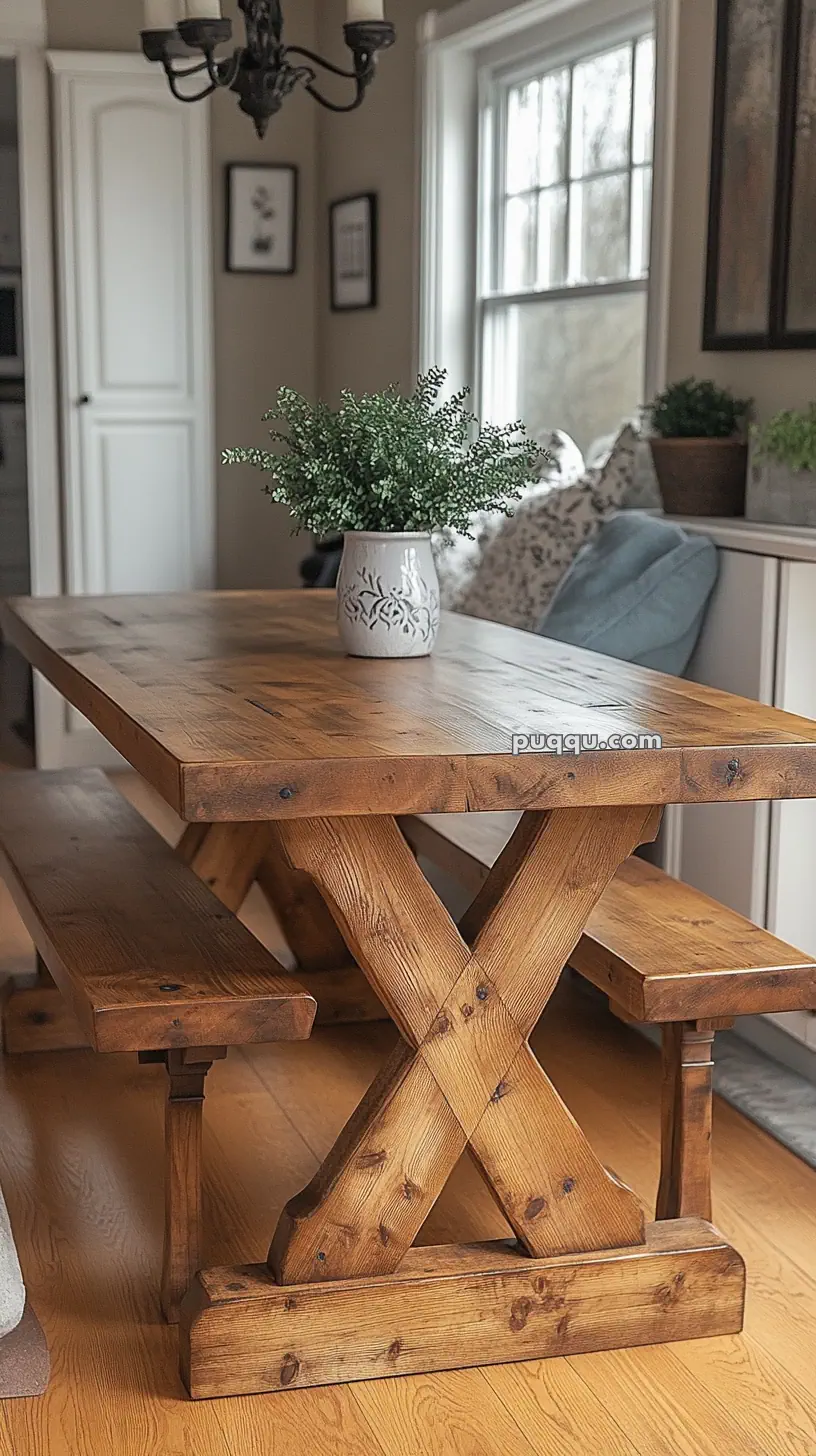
(187, 1070)
(685, 1166)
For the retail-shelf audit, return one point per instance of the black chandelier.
(264, 70)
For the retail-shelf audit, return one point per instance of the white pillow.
(524, 561)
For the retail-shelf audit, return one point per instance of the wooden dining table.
(292, 763)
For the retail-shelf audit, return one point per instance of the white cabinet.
(135, 284)
(736, 652)
(791, 890)
(758, 641)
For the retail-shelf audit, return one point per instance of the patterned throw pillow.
(523, 562)
(458, 557)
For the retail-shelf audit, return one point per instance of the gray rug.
(24, 1363)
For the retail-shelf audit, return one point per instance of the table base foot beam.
(456, 1306)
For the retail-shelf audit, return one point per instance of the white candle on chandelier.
(203, 9)
(162, 14)
(364, 10)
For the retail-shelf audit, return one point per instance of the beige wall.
(265, 328)
(372, 150)
(375, 149)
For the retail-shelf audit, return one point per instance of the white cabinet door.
(723, 848)
(133, 216)
(791, 887)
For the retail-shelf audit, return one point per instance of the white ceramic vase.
(388, 594)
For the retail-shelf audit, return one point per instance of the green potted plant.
(386, 470)
(782, 477)
(699, 448)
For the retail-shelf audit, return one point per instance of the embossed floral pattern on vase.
(388, 595)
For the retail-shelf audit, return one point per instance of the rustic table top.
(242, 705)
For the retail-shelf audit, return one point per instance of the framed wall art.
(262, 207)
(761, 276)
(353, 237)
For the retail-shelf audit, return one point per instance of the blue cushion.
(638, 592)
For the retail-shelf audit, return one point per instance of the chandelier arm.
(223, 73)
(179, 95)
(334, 105)
(180, 75)
(324, 64)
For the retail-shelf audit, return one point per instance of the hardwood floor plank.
(662, 1408)
(558, 1409)
(455, 1413)
(763, 1399)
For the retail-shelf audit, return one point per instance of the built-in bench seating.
(662, 952)
(144, 958)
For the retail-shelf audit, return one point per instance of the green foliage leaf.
(697, 409)
(790, 438)
(390, 462)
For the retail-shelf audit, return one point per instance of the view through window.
(562, 316)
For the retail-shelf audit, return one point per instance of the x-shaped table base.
(465, 1003)
(344, 1295)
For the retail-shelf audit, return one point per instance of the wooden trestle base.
(456, 1306)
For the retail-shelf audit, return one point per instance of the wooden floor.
(80, 1161)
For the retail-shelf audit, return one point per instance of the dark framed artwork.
(262, 208)
(761, 275)
(353, 252)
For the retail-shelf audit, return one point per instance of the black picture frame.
(791, 140)
(360, 289)
(282, 261)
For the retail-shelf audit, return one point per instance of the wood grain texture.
(144, 953)
(466, 1019)
(456, 1306)
(242, 706)
(186, 1073)
(686, 1117)
(226, 857)
(38, 1019)
(661, 950)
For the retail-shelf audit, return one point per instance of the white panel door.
(723, 848)
(792, 878)
(133, 217)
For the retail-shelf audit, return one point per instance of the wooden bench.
(145, 959)
(662, 952)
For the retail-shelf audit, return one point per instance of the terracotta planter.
(699, 477)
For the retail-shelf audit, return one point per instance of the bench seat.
(144, 958)
(144, 953)
(662, 952)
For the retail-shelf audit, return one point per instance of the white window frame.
(453, 45)
(495, 78)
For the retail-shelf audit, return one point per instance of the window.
(565, 240)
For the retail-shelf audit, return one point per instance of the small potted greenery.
(386, 470)
(782, 477)
(699, 448)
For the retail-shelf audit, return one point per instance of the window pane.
(522, 137)
(576, 364)
(643, 110)
(552, 237)
(599, 229)
(601, 107)
(520, 243)
(553, 143)
(641, 222)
